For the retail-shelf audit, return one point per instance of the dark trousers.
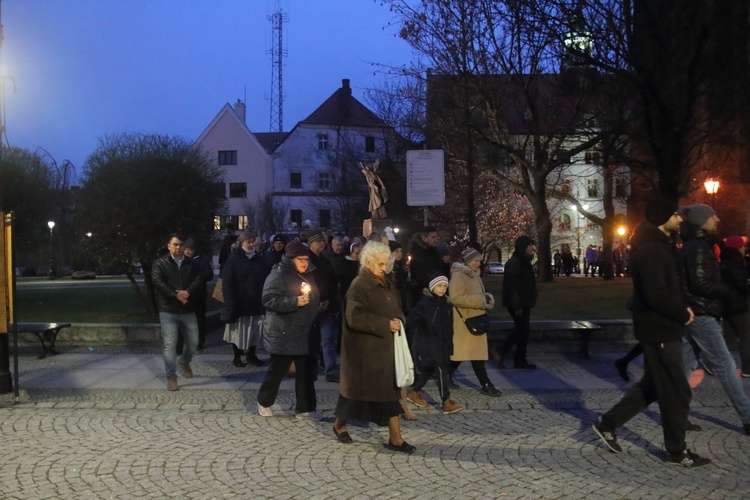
(200, 316)
(442, 376)
(663, 381)
(479, 370)
(519, 336)
(740, 324)
(304, 382)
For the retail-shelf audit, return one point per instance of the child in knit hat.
(430, 325)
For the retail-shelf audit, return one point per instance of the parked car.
(495, 268)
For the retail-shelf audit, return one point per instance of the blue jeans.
(171, 324)
(329, 337)
(707, 334)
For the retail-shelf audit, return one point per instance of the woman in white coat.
(470, 299)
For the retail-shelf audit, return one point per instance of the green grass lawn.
(566, 298)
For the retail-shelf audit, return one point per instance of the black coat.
(734, 273)
(168, 278)
(659, 310)
(519, 282)
(430, 326)
(242, 282)
(702, 285)
(286, 327)
(348, 270)
(206, 267)
(325, 278)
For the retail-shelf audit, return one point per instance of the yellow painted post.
(6, 301)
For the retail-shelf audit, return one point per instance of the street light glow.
(711, 185)
(51, 225)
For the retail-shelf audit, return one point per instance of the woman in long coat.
(291, 301)
(470, 299)
(242, 281)
(368, 391)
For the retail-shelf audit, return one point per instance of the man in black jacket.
(325, 277)
(425, 260)
(659, 313)
(205, 265)
(519, 296)
(705, 292)
(177, 281)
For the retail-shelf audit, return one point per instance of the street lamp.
(51, 226)
(712, 186)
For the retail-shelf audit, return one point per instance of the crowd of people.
(321, 305)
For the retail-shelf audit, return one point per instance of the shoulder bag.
(478, 325)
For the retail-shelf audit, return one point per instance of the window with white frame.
(324, 181)
(322, 142)
(564, 222)
(228, 157)
(592, 188)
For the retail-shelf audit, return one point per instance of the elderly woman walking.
(291, 301)
(368, 391)
(470, 299)
(242, 281)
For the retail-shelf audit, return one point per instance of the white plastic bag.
(404, 363)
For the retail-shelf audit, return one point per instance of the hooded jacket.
(430, 325)
(702, 284)
(659, 310)
(519, 281)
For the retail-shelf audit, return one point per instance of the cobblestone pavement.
(75, 436)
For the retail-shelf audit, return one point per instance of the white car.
(495, 268)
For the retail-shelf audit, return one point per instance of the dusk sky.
(85, 68)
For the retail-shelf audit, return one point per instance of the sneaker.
(416, 398)
(265, 411)
(687, 459)
(309, 415)
(705, 367)
(172, 384)
(186, 371)
(489, 390)
(607, 436)
(450, 406)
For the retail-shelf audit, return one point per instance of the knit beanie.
(435, 279)
(278, 237)
(296, 249)
(735, 242)
(660, 210)
(470, 254)
(697, 214)
(315, 237)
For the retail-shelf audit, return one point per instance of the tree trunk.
(544, 231)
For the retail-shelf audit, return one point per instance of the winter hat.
(735, 242)
(278, 237)
(522, 242)
(394, 245)
(660, 210)
(697, 214)
(189, 243)
(295, 249)
(315, 237)
(470, 254)
(436, 278)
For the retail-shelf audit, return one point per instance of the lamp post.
(51, 226)
(712, 186)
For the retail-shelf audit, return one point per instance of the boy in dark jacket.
(430, 324)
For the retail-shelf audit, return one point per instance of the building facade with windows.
(248, 167)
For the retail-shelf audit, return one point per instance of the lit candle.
(306, 288)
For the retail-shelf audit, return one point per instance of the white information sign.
(425, 177)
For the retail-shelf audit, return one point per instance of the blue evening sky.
(85, 68)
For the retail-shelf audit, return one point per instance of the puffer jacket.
(734, 273)
(430, 325)
(286, 327)
(701, 278)
(167, 278)
(659, 310)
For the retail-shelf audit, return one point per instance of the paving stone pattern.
(535, 441)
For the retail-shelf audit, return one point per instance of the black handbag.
(478, 325)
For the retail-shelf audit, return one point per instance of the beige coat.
(467, 294)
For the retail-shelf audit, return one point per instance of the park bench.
(45, 332)
(499, 330)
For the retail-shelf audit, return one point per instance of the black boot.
(237, 361)
(252, 358)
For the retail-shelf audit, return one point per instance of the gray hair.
(371, 250)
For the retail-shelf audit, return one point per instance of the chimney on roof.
(239, 109)
(345, 86)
